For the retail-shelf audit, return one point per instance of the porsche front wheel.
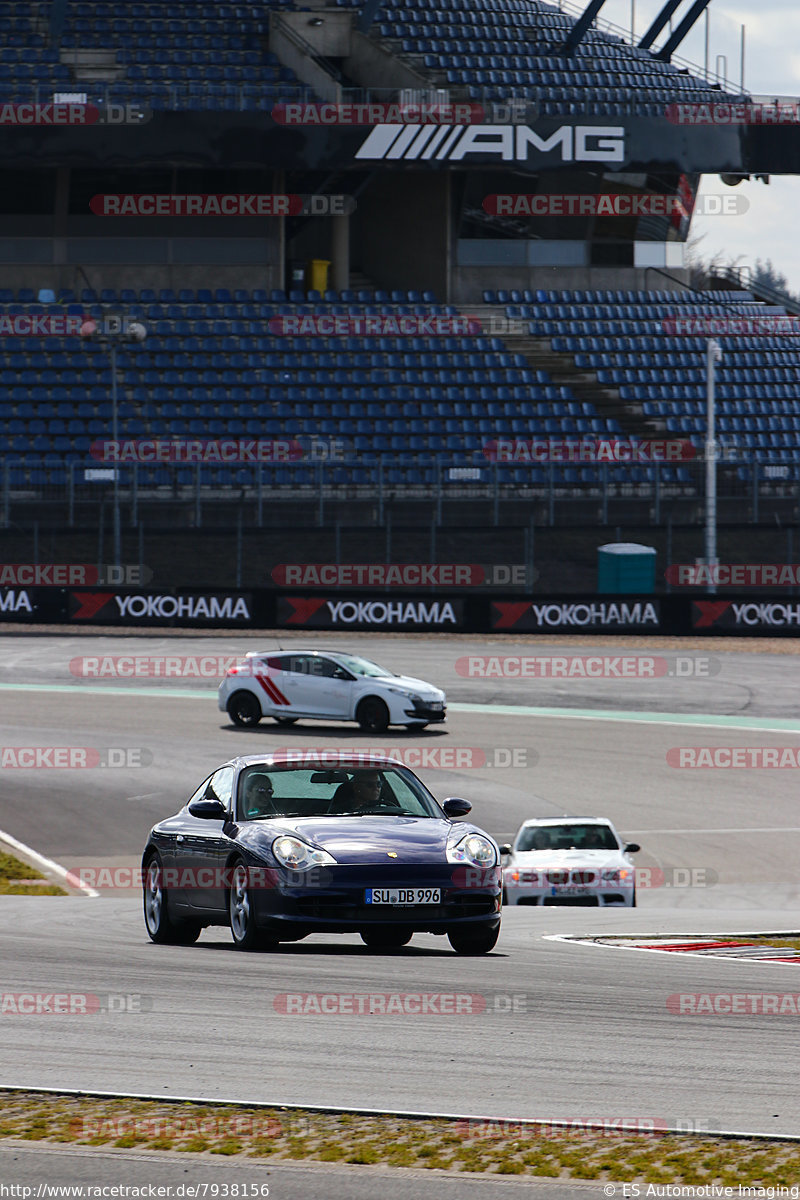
(246, 934)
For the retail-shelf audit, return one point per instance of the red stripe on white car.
(272, 690)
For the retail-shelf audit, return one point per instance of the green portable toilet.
(626, 567)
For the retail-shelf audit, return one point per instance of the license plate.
(435, 705)
(570, 891)
(402, 896)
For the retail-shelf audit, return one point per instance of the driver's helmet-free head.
(367, 785)
(258, 793)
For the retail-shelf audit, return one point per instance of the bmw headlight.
(474, 849)
(298, 855)
(617, 876)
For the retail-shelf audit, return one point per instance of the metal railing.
(64, 495)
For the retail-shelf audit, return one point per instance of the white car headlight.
(298, 855)
(404, 692)
(474, 849)
(622, 876)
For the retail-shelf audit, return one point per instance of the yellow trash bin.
(319, 274)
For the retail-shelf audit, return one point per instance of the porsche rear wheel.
(161, 927)
(478, 940)
(372, 715)
(244, 709)
(385, 939)
(246, 934)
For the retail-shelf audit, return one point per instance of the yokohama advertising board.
(378, 613)
(578, 614)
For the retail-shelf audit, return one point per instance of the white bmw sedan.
(569, 860)
(327, 685)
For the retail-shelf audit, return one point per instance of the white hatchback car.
(326, 685)
(569, 860)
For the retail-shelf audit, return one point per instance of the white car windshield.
(361, 666)
(567, 837)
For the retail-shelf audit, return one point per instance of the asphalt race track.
(566, 1031)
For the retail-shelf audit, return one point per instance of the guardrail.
(73, 487)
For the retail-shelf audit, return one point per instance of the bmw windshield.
(567, 837)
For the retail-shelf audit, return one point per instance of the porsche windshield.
(362, 666)
(314, 791)
(567, 837)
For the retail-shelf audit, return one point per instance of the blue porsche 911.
(282, 845)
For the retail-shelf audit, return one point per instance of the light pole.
(713, 356)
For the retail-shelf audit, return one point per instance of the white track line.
(517, 1122)
(49, 865)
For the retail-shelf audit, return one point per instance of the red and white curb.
(698, 945)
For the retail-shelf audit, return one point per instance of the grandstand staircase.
(561, 368)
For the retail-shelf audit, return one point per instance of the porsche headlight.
(298, 855)
(474, 849)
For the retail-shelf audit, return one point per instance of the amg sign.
(509, 143)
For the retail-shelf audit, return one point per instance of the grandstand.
(574, 340)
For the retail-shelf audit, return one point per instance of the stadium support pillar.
(340, 253)
(671, 45)
(713, 356)
(58, 15)
(280, 282)
(368, 14)
(658, 24)
(582, 24)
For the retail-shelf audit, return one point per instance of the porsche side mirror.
(210, 810)
(505, 848)
(632, 848)
(454, 806)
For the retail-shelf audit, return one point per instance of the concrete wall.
(369, 61)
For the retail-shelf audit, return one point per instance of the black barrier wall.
(750, 616)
